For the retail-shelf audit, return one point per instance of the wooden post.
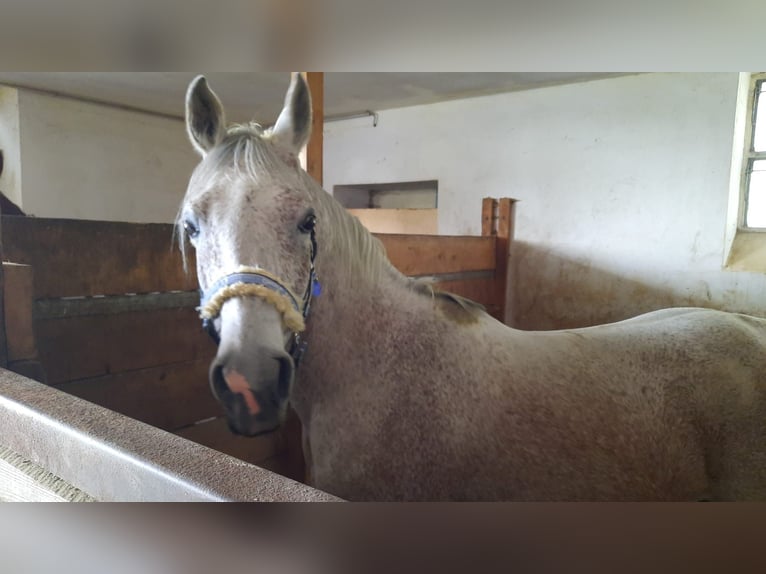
(315, 151)
(497, 218)
(505, 220)
(312, 157)
(18, 303)
(488, 209)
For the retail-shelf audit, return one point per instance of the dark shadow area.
(7, 207)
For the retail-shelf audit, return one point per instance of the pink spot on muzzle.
(238, 384)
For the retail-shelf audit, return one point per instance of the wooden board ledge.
(114, 458)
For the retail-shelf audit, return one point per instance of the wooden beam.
(505, 220)
(312, 160)
(424, 255)
(74, 258)
(92, 346)
(312, 157)
(168, 397)
(488, 208)
(497, 219)
(113, 304)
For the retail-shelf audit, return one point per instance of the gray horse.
(407, 393)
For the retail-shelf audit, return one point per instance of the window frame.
(750, 156)
(744, 247)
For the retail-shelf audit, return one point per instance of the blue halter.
(248, 278)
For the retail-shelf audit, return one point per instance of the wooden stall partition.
(114, 322)
(77, 258)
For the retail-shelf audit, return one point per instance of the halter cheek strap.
(255, 282)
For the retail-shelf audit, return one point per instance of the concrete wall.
(89, 161)
(623, 188)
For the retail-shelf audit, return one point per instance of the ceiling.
(259, 95)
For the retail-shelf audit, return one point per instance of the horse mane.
(238, 155)
(457, 308)
(245, 152)
(372, 258)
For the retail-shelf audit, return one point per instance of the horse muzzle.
(255, 402)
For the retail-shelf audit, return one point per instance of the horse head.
(250, 218)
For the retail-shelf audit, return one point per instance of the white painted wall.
(623, 188)
(89, 161)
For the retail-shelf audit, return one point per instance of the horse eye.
(191, 229)
(308, 224)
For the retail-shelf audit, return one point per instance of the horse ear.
(205, 120)
(293, 127)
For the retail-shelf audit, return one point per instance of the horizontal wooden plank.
(479, 290)
(168, 397)
(406, 221)
(482, 291)
(114, 304)
(215, 434)
(420, 255)
(19, 327)
(73, 257)
(85, 347)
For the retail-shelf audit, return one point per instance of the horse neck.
(364, 299)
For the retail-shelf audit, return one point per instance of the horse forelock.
(242, 153)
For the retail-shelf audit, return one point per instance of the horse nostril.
(218, 382)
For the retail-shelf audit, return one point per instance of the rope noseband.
(255, 282)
